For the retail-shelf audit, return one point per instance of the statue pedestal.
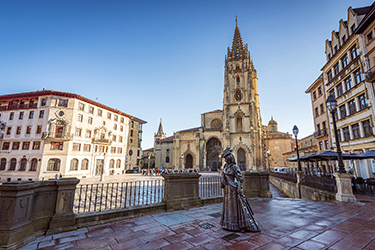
(344, 188)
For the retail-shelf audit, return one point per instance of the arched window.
(118, 163)
(167, 159)
(33, 164)
(239, 123)
(13, 163)
(74, 164)
(241, 159)
(111, 163)
(3, 163)
(85, 164)
(54, 164)
(23, 164)
(238, 80)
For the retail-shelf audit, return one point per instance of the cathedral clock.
(238, 95)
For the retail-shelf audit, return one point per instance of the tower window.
(239, 124)
(238, 80)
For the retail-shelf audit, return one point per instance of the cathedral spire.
(160, 129)
(238, 50)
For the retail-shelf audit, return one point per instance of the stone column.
(344, 187)
(181, 191)
(64, 219)
(256, 184)
(15, 213)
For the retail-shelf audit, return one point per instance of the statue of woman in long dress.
(237, 214)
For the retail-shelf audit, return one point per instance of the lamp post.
(295, 132)
(267, 162)
(331, 106)
(148, 165)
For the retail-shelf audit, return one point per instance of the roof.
(168, 139)
(213, 112)
(367, 20)
(313, 85)
(190, 129)
(38, 93)
(362, 10)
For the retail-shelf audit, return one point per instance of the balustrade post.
(64, 218)
(256, 184)
(181, 190)
(344, 187)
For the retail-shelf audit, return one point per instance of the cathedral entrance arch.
(213, 148)
(241, 159)
(189, 161)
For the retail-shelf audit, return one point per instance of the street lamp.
(295, 132)
(148, 165)
(331, 106)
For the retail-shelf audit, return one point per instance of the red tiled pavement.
(287, 224)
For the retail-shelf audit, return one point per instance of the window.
(3, 163)
(18, 131)
(31, 115)
(23, 164)
(113, 150)
(319, 91)
(9, 130)
(335, 48)
(76, 146)
(352, 108)
(332, 92)
(367, 128)
(358, 76)
(355, 130)
(81, 106)
(41, 114)
(89, 120)
(91, 109)
(13, 163)
(80, 118)
(314, 95)
(370, 36)
(316, 112)
(43, 102)
(15, 145)
(348, 83)
(329, 75)
(167, 159)
(343, 39)
(21, 115)
(122, 119)
(36, 145)
(132, 124)
(317, 127)
(321, 108)
(78, 132)
(74, 164)
(88, 133)
(33, 164)
(63, 103)
(11, 116)
(329, 56)
(109, 115)
(39, 129)
(327, 145)
(85, 164)
(345, 61)
(87, 147)
(28, 130)
(131, 133)
(346, 133)
(336, 68)
(353, 28)
(53, 164)
(131, 140)
(320, 145)
(100, 112)
(119, 150)
(6, 145)
(362, 102)
(101, 149)
(25, 145)
(57, 145)
(114, 138)
(120, 139)
(324, 125)
(239, 123)
(354, 52)
(112, 163)
(118, 163)
(339, 89)
(342, 109)
(121, 128)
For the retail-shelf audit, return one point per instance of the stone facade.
(49, 133)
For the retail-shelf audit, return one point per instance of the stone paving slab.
(287, 224)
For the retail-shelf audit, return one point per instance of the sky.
(165, 59)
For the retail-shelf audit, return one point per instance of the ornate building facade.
(238, 125)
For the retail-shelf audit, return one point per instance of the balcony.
(320, 133)
(19, 106)
(56, 136)
(370, 75)
(101, 141)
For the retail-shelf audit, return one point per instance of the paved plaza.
(287, 224)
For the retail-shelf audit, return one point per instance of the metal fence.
(325, 183)
(292, 177)
(108, 196)
(210, 186)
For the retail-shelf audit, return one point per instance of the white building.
(52, 132)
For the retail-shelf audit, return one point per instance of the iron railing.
(210, 186)
(109, 196)
(324, 183)
(292, 177)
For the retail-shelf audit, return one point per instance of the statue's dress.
(237, 214)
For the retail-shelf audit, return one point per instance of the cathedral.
(237, 125)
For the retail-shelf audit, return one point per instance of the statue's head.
(228, 156)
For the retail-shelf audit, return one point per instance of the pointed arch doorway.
(241, 159)
(213, 148)
(189, 161)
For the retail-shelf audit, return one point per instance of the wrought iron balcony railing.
(320, 133)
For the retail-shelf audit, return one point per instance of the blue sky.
(165, 59)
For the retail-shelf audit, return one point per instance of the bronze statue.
(237, 214)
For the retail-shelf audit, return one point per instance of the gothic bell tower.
(241, 113)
